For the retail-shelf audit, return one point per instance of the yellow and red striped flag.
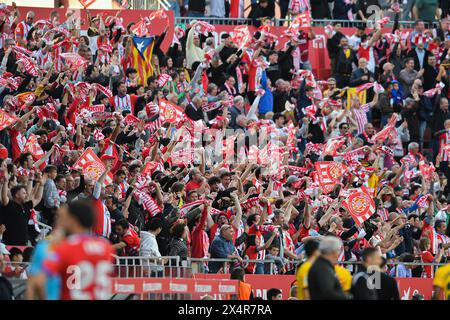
(141, 53)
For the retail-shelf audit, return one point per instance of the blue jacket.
(266, 102)
(220, 248)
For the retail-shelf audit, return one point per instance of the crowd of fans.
(263, 200)
(320, 9)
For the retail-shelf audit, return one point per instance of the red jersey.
(293, 230)
(251, 254)
(125, 103)
(444, 140)
(253, 76)
(427, 257)
(199, 238)
(18, 141)
(102, 225)
(256, 230)
(84, 264)
(133, 242)
(22, 30)
(303, 45)
(192, 185)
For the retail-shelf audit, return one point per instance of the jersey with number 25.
(84, 264)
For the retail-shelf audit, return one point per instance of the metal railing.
(141, 267)
(287, 22)
(174, 267)
(146, 4)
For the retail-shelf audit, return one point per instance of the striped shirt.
(361, 116)
(123, 103)
(444, 139)
(299, 6)
(22, 30)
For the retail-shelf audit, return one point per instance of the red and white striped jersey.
(361, 116)
(289, 245)
(443, 239)
(102, 226)
(22, 30)
(123, 187)
(299, 6)
(444, 139)
(42, 58)
(3, 38)
(236, 8)
(125, 103)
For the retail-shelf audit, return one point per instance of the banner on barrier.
(261, 283)
(194, 286)
(127, 15)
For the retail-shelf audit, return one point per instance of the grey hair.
(409, 100)
(413, 145)
(330, 245)
(238, 99)
(279, 82)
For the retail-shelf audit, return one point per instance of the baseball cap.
(292, 179)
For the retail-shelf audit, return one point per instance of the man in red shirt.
(79, 254)
(129, 239)
(196, 180)
(199, 237)
(301, 53)
(123, 101)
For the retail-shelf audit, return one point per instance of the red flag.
(241, 36)
(6, 120)
(106, 91)
(74, 60)
(33, 147)
(131, 120)
(158, 14)
(163, 78)
(187, 207)
(170, 112)
(26, 98)
(48, 111)
(140, 28)
(28, 63)
(364, 86)
(329, 173)
(204, 27)
(333, 145)
(359, 204)
(426, 170)
(147, 202)
(303, 20)
(383, 134)
(92, 166)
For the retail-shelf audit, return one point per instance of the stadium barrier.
(174, 288)
(173, 266)
(287, 22)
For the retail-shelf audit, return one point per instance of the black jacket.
(363, 286)
(414, 55)
(323, 282)
(6, 289)
(388, 289)
(193, 113)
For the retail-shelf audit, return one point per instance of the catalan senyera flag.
(352, 92)
(141, 52)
